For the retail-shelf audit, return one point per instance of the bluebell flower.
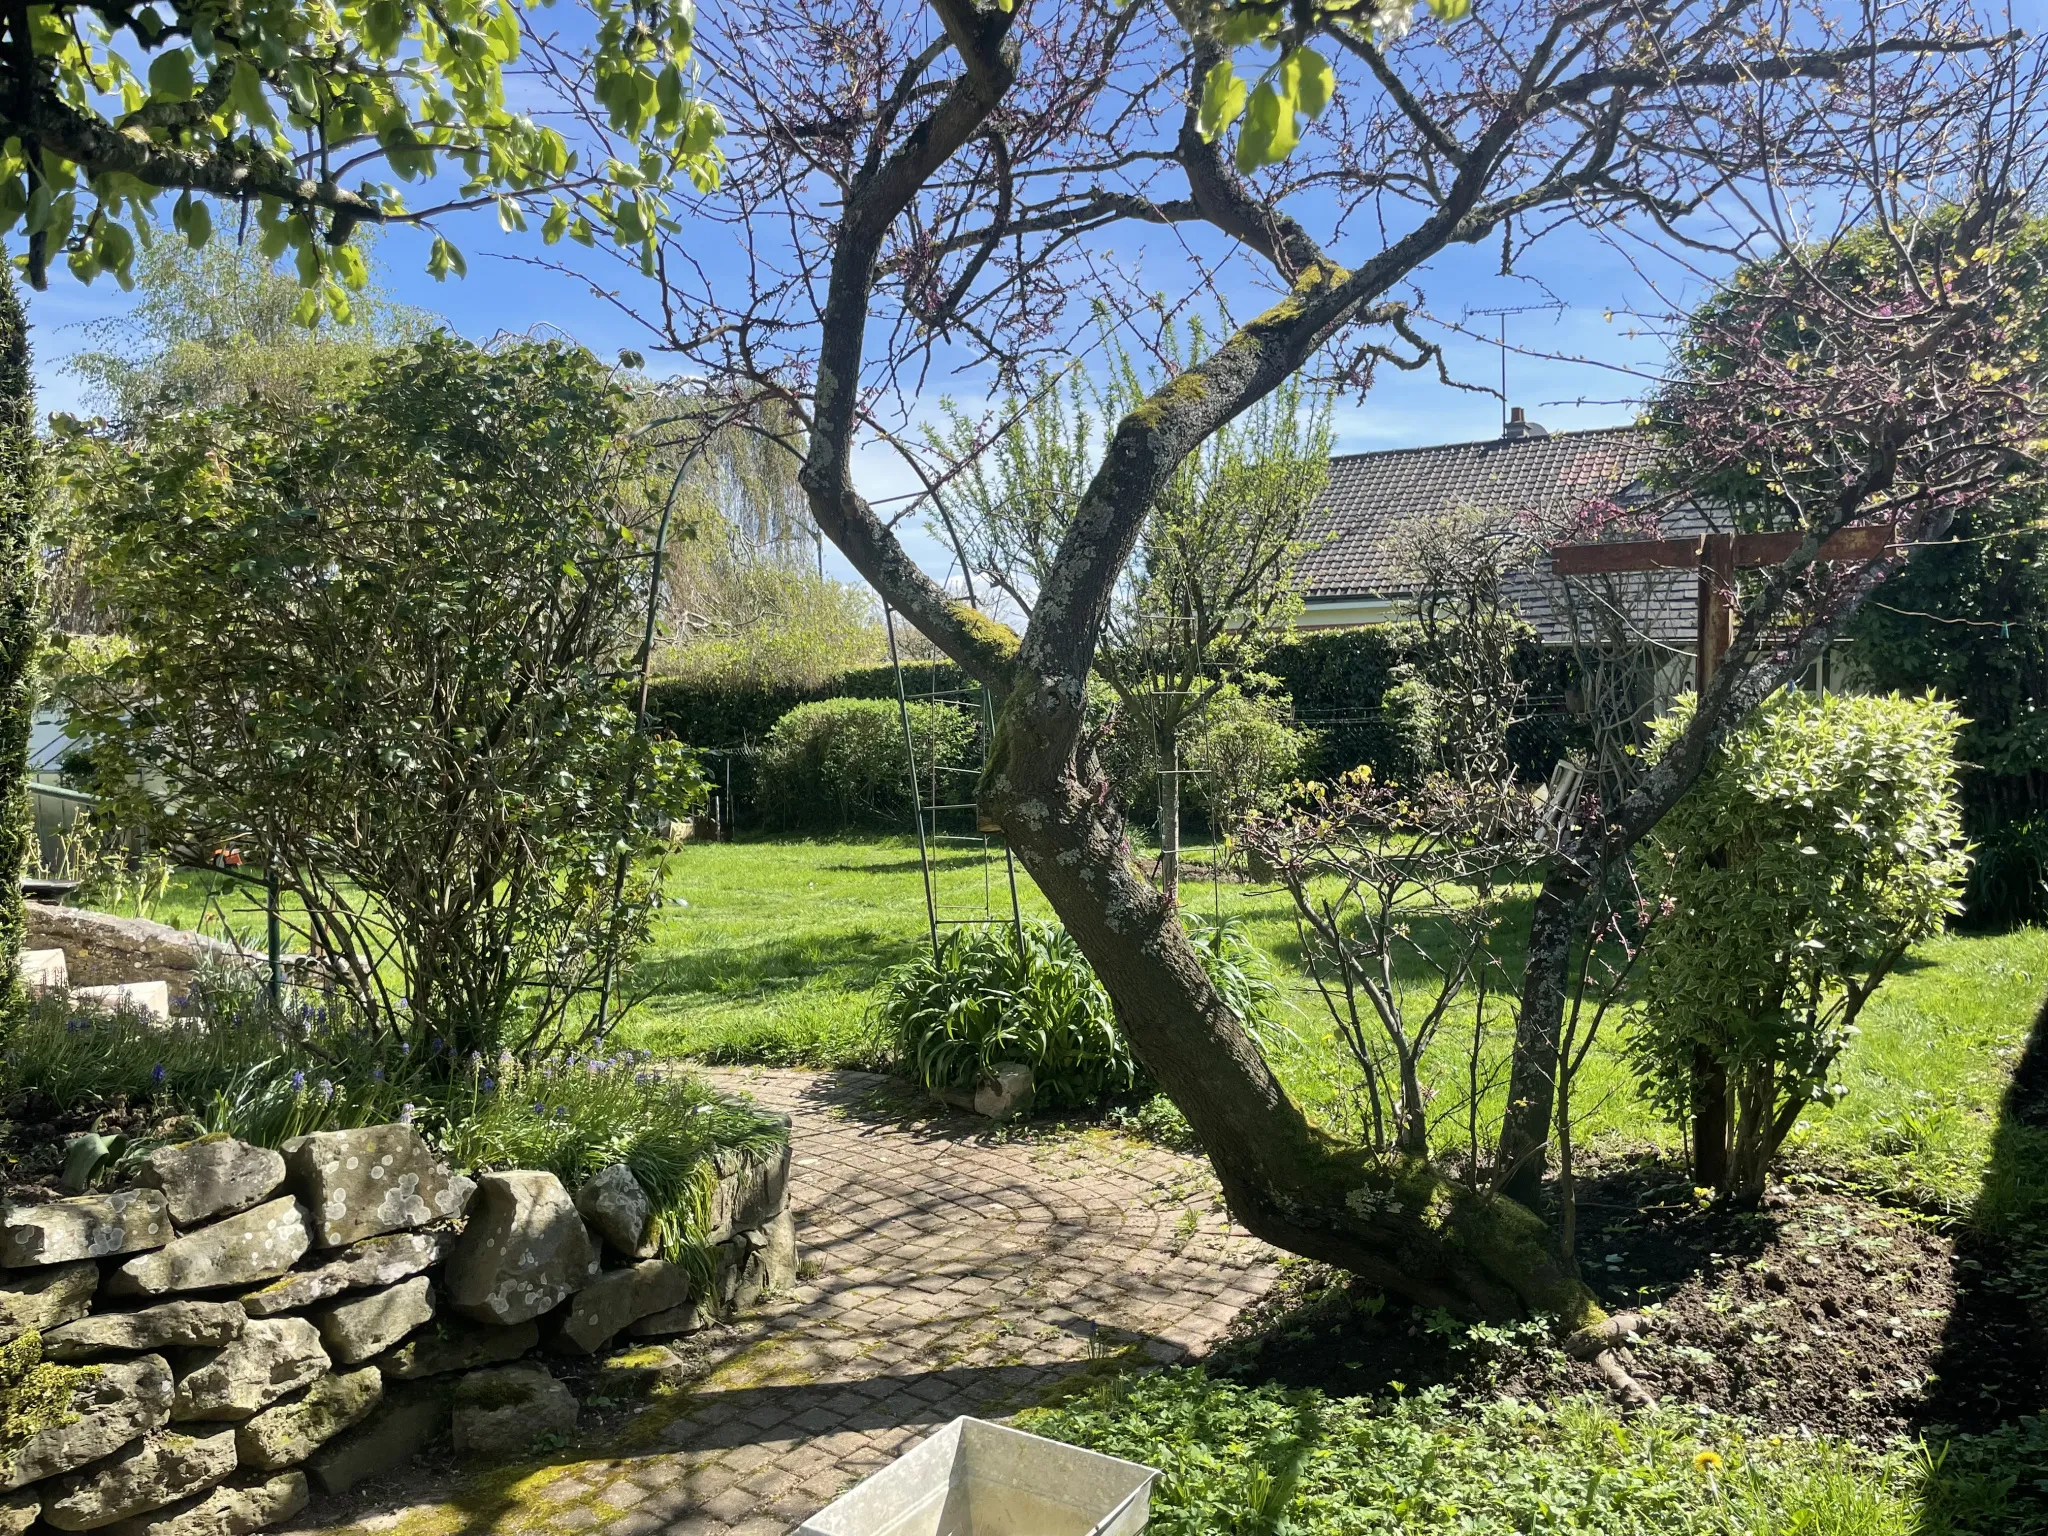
(156, 1074)
(561, 1112)
(540, 1111)
(326, 1091)
(489, 1084)
(405, 1114)
(405, 1047)
(376, 1074)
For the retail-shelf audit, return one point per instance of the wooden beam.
(1633, 555)
(1760, 549)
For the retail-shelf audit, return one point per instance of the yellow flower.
(1706, 1461)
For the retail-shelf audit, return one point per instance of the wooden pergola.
(1716, 557)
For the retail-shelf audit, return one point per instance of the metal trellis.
(942, 804)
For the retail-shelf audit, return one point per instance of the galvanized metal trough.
(974, 1478)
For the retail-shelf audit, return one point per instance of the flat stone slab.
(44, 1299)
(381, 1178)
(376, 1261)
(456, 1344)
(102, 948)
(617, 1298)
(523, 1250)
(173, 1325)
(214, 1176)
(275, 1356)
(83, 1227)
(235, 1510)
(367, 1325)
(112, 1405)
(156, 1470)
(44, 970)
(286, 1435)
(241, 1249)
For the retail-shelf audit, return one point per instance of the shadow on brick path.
(947, 1270)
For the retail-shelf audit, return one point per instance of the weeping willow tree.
(745, 598)
(21, 487)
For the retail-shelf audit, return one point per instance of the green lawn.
(774, 952)
(209, 902)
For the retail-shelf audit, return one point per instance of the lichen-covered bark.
(1398, 1223)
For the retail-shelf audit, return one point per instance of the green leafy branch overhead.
(1278, 103)
(304, 119)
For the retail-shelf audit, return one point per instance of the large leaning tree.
(915, 187)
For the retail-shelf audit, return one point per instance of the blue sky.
(1589, 278)
(1595, 287)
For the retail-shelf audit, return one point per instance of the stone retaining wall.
(243, 1325)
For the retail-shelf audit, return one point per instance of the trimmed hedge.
(719, 717)
(837, 763)
(1337, 678)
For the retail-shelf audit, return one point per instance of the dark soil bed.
(35, 1129)
(1826, 1310)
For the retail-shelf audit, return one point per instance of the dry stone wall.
(245, 1327)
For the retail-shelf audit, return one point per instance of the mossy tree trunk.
(21, 490)
(1512, 149)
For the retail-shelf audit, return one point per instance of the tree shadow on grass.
(852, 959)
(1986, 1410)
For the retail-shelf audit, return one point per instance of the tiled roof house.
(1354, 576)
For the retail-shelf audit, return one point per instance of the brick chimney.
(1519, 426)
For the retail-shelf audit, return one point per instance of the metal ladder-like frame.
(940, 792)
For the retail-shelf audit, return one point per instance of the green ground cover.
(1258, 1461)
(775, 951)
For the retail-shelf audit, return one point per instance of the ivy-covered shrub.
(839, 763)
(994, 995)
(1968, 617)
(1347, 688)
(1821, 843)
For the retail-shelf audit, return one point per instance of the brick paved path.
(948, 1271)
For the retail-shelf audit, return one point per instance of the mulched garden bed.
(1826, 1310)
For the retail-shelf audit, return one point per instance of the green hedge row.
(726, 718)
(1337, 678)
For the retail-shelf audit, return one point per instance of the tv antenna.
(1501, 313)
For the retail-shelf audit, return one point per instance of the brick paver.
(947, 1270)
